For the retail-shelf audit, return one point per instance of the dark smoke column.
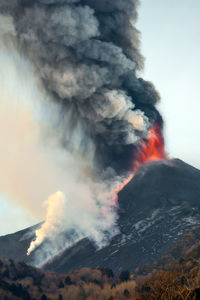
(86, 54)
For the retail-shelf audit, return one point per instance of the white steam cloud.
(54, 220)
(34, 166)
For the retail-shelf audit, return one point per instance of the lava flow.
(152, 149)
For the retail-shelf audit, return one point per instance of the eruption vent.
(152, 148)
(100, 113)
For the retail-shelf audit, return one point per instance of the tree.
(68, 280)
(124, 276)
(81, 293)
(197, 293)
(1, 264)
(126, 293)
(6, 273)
(108, 272)
(113, 285)
(61, 285)
(11, 262)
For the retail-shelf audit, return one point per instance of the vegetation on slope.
(176, 276)
(177, 282)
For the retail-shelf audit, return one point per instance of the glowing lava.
(152, 149)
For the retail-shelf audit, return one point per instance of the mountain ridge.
(157, 207)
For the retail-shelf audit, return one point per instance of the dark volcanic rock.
(15, 245)
(157, 208)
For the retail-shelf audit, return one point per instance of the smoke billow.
(86, 56)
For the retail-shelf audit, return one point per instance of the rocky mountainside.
(187, 249)
(14, 246)
(157, 208)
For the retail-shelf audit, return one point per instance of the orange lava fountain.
(152, 149)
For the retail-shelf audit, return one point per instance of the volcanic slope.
(159, 205)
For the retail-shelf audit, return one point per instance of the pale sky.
(170, 32)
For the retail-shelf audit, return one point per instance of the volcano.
(156, 208)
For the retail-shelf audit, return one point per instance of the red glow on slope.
(152, 149)
(119, 188)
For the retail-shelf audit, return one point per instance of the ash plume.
(86, 56)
